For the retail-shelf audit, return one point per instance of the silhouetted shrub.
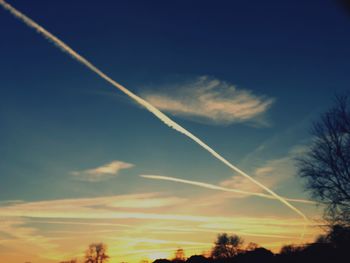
(256, 255)
(162, 260)
(197, 259)
(226, 246)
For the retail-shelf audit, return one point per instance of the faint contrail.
(220, 188)
(165, 119)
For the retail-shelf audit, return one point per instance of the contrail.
(220, 188)
(161, 116)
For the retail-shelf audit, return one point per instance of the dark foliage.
(226, 246)
(162, 260)
(332, 247)
(257, 255)
(96, 253)
(198, 259)
(179, 256)
(326, 164)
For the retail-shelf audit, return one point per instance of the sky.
(81, 162)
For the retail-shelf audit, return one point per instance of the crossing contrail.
(220, 188)
(161, 116)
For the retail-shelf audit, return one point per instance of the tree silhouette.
(290, 249)
(162, 260)
(226, 246)
(197, 259)
(259, 254)
(179, 255)
(96, 253)
(251, 246)
(326, 163)
(339, 237)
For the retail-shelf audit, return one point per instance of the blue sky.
(248, 77)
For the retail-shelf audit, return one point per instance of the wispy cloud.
(238, 185)
(25, 240)
(103, 208)
(103, 172)
(210, 100)
(272, 173)
(142, 221)
(82, 207)
(263, 174)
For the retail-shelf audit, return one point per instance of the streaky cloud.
(210, 100)
(220, 188)
(161, 116)
(103, 172)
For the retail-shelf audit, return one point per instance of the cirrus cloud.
(210, 100)
(103, 172)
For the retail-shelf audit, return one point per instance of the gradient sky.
(248, 77)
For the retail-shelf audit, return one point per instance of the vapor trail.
(220, 188)
(161, 116)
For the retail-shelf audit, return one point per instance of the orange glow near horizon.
(56, 230)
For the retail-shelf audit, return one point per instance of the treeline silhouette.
(331, 247)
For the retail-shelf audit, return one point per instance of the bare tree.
(179, 255)
(251, 246)
(326, 163)
(290, 249)
(226, 246)
(96, 253)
